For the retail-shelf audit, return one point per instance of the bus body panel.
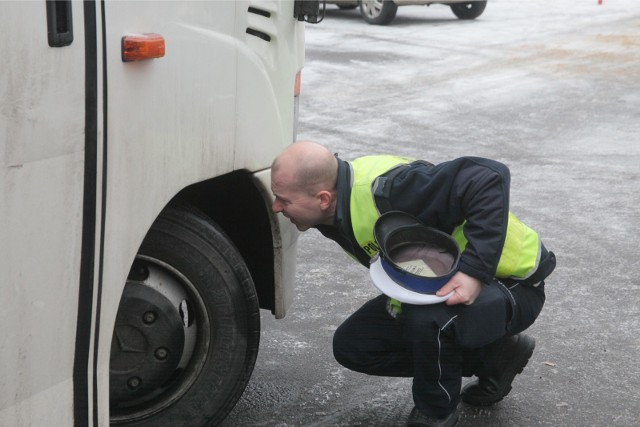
(220, 100)
(41, 190)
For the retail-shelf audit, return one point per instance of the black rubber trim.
(103, 211)
(87, 260)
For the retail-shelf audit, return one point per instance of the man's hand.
(466, 289)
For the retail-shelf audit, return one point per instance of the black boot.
(512, 357)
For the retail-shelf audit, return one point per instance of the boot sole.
(522, 363)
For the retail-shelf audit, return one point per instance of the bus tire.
(188, 327)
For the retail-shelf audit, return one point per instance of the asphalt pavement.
(552, 89)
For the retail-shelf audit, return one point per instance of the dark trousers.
(436, 344)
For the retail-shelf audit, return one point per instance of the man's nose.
(276, 206)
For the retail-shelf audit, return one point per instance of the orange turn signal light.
(140, 47)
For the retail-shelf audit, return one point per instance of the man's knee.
(351, 352)
(529, 303)
(341, 348)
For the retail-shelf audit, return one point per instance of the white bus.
(137, 240)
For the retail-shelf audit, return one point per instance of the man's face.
(302, 209)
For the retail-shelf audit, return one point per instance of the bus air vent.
(260, 22)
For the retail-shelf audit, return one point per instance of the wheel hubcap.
(372, 8)
(159, 343)
(147, 343)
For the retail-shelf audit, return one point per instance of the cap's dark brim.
(392, 221)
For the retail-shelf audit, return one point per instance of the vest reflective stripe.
(520, 253)
(362, 206)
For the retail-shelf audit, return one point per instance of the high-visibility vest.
(521, 250)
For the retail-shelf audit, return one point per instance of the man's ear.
(326, 198)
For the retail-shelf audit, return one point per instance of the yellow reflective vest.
(521, 250)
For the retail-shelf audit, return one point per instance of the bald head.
(303, 182)
(307, 165)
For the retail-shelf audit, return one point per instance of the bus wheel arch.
(238, 207)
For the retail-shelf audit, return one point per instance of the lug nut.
(161, 353)
(149, 317)
(134, 382)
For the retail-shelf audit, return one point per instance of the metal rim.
(372, 8)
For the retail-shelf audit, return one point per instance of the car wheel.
(378, 12)
(470, 10)
(187, 329)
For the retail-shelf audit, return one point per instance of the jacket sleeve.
(470, 189)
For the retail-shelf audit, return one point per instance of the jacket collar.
(342, 220)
